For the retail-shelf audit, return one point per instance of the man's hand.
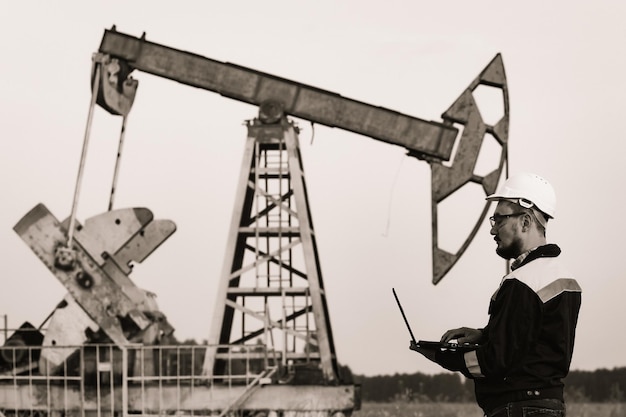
(462, 335)
(428, 353)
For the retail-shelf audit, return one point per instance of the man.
(525, 350)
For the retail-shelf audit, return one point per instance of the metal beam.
(420, 137)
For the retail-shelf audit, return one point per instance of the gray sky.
(565, 65)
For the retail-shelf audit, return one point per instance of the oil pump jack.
(108, 349)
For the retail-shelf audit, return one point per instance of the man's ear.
(526, 222)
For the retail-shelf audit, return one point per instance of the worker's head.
(525, 204)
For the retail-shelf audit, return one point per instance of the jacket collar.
(545, 251)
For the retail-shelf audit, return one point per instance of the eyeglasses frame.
(496, 219)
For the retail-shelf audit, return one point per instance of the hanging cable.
(312, 132)
(83, 156)
(117, 163)
(393, 186)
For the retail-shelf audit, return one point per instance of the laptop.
(425, 344)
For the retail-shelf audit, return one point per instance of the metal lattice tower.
(271, 290)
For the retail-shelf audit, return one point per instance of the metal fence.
(104, 380)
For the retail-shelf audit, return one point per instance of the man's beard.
(511, 251)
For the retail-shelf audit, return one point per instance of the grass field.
(471, 410)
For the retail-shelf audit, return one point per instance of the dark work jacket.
(528, 342)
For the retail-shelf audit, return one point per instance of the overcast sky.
(565, 63)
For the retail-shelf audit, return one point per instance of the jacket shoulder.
(547, 277)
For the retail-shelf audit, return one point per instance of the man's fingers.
(462, 335)
(451, 334)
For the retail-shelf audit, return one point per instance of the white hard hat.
(529, 190)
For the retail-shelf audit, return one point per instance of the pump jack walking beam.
(431, 141)
(418, 136)
(427, 140)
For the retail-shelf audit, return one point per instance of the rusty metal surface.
(448, 179)
(97, 284)
(153, 399)
(117, 89)
(434, 139)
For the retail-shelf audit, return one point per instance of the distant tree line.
(602, 385)
(443, 387)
